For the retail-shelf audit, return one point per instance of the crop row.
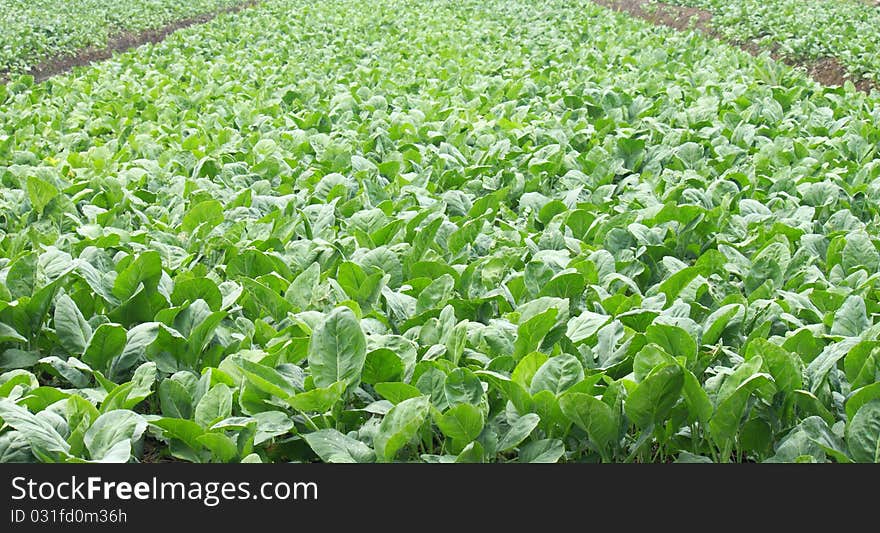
(35, 30)
(438, 231)
(846, 30)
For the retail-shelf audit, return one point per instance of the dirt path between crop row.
(827, 71)
(120, 42)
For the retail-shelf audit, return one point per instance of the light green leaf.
(462, 423)
(652, 400)
(71, 327)
(207, 214)
(215, 405)
(39, 433)
(399, 426)
(337, 349)
(593, 416)
(519, 430)
(557, 374)
(334, 447)
(111, 436)
(542, 451)
(107, 343)
(317, 400)
(40, 192)
(585, 326)
(851, 319)
(863, 433)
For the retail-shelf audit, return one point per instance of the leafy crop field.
(846, 30)
(34, 30)
(470, 231)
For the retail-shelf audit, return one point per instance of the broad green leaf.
(12, 358)
(649, 358)
(697, 399)
(190, 290)
(527, 367)
(786, 368)
(462, 423)
(334, 447)
(518, 431)
(863, 433)
(674, 340)
(14, 448)
(851, 319)
(40, 192)
(719, 320)
(71, 327)
(818, 431)
(267, 379)
(337, 349)
(70, 370)
(542, 451)
(435, 295)
(817, 371)
(175, 400)
(860, 397)
(137, 340)
(317, 400)
(302, 289)
(531, 333)
(39, 433)
(145, 268)
(186, 431)
(222, 448)
(215, 405)
(396, 392)
(207, 214)
(472, 453)
(106, 343)
(585, 325)
(729, 413)
(593, 416)
(509, 389)
(546, 404)
(652, 400)
(265, 299)
(557, 374)
(462, 386)
(8, 334)
(860, 252)
(271, 424)
(142, 384)
(399, 426)
(687, 457)
(382, 365)
(862, 363)
(111, 436)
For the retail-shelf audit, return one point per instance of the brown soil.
(678, 17)
(827, 71)
(119, 42)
